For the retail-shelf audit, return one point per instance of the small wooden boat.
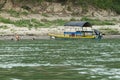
(82, 30)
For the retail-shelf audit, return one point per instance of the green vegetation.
(3, 27)
(46, 23)
(28, 23)
(8, 21)
(45, 15)
(72, 19)
(113, 5)
(34, 22)
(14, 13)
(97, 21)
(103, 4)
(109, 31)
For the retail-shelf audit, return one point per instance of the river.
(60, 59)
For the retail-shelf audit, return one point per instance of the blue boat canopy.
(79, 23)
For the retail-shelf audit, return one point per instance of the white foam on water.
(71, 62)
(114, 59)
(15, 79)
(112, 73)
(25, 49)
(108, 60)
(14, 49)
(17, 65)
(83, 72)
(79, 69)
(106, 54)
(11, 65)
(114, 77)
(105, 71)
(10, 55)
(93, 76)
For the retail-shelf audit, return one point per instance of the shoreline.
(23, 37)
(40, 37)
(111, 36)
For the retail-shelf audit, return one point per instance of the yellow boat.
(80, 31)
(53, 36)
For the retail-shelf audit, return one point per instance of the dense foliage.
(103, 4)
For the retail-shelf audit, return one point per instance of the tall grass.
(33, 22)
(97, 21)
(28, 23)
(46, 23)
(4, 20)
(109, 31)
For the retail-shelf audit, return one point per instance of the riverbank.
(23, 37)
(26, 37)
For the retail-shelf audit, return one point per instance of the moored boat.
(78, 30)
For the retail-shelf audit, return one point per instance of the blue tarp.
(78, 23)
(70, 33)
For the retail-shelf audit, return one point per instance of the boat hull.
(55, 36)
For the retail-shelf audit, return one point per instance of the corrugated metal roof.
(79, 23)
